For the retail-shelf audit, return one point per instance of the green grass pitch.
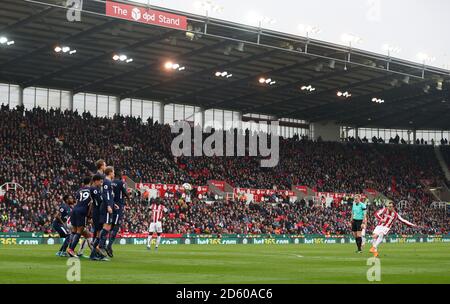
(185, 264)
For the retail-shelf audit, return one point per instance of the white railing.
(10, 187)
(440, 205)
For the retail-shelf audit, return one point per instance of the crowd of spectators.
(48, 153)
(394, 140)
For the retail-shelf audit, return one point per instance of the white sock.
(149, 240)
(158, 240)
(83, 246)
(378, 241)
(363, 236)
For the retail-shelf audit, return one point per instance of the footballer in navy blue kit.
(60, 223)
(96, 185)
(120, 194)
(101, 167)
(79, 214)
(106, 210)
(96, 193)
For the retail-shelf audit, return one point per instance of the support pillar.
(70, 101)
(161, 113)
(20, 89)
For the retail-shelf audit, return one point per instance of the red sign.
(145, 15)
(202, 189)
(302, 189)
(219, 184)
(372, 192)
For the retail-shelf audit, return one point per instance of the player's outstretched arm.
(406, 222)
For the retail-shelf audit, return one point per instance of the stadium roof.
(415, 96)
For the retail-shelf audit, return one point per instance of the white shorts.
(155, 227)
(381, 230)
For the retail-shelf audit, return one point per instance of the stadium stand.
(48, 153)
(446, 154)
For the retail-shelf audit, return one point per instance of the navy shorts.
(105, 217)
(96, 224)
(117, 217)
(62, 231)
(78, 218)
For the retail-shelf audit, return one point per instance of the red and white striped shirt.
(387, 218)
(157, 212)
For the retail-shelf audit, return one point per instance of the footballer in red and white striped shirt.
(157, 212)
(386, 218)
(156, 216)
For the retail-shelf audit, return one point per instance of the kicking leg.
(376, 241)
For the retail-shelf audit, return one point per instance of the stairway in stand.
(444, 165)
